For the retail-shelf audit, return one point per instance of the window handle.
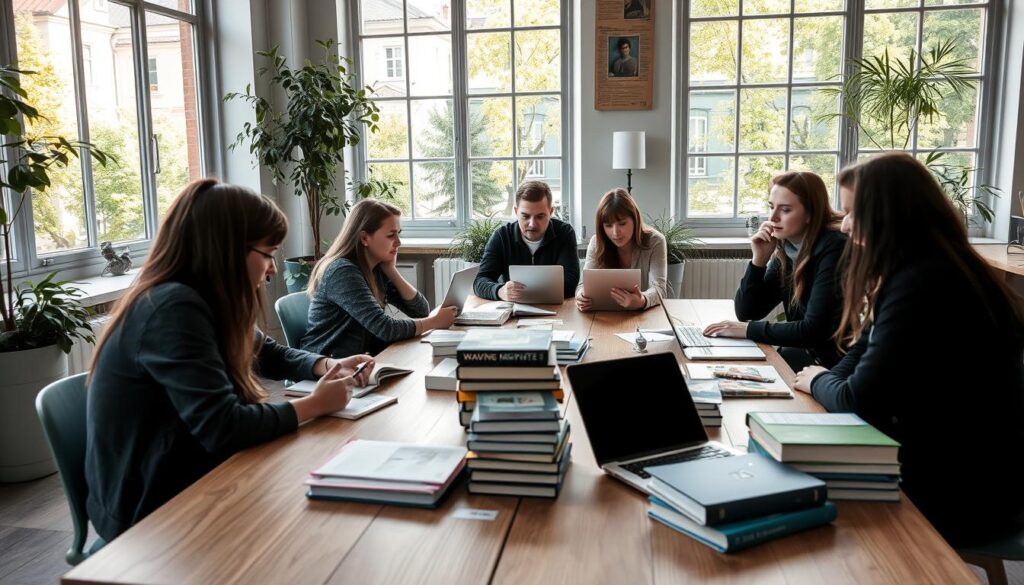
(156, 153)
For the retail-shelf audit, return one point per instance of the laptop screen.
(634, 406)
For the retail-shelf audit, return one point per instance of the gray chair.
(293, 313)
(61, 409)
(990, 556)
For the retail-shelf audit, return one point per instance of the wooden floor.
(35, 531)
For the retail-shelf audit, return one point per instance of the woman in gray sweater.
(623, 241)
(356, 280)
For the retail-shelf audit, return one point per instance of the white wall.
(652, 186)
(1009, 135)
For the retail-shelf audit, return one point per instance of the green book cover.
(812, 428)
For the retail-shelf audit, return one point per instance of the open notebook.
(380, 371)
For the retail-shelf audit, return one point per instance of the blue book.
(747, 533)
(728, 489)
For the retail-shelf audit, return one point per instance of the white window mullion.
(460, 117)
(85, 159)
(140, 55)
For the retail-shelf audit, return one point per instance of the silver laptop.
(696, 346)
(630, 431)
(545, 284)
(460, 288)
(599, 282)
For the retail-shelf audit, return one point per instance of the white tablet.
(544, 284)
(599, 282)
(460, 288)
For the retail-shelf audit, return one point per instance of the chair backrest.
(61, 409)
(293, 313)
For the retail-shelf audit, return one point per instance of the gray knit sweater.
(345, 318)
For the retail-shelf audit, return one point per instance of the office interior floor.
(36, 530)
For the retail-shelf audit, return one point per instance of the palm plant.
(886, 99)
(680, 240)
(470, 241)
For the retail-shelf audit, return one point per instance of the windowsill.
(435, 245)
(104, 289)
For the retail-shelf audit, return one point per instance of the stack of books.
(854, 459)
(505, 360)
(569, 347)
(443, 342)
(519, 444)
(708, 400)
(732, 503)
(385, 472)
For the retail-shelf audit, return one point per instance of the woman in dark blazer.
(935, 342)
(795, 261)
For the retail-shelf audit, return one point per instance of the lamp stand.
(629, 181)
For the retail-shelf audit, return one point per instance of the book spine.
(771, 504)
(765, 529)
(502, 358)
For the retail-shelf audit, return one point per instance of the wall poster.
(624, 55)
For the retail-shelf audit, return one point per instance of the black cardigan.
(162, 410)
(939, 374)
(507, 247)
(809, 325)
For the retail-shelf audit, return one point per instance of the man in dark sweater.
(534, 238)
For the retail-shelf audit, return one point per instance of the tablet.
(724, 353)
(460, 288)
(544, 284)
(599, 282)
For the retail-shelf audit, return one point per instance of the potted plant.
(305, 142)
(681, 243)
(40, 321)
(886, 99)
(469, 242)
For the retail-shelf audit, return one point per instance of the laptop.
(599, 282)
(696, 346)
(545, 284)
(628, 435)
(460, 288)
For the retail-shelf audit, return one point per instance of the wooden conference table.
(248, 521)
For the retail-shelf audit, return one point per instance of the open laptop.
(599, 282)
(630, 430)
(460, 288)
(545, 284)
(696, 346)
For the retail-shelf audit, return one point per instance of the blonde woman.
(623, 241)
(357, 279)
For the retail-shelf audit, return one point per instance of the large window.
(96, 65)
(478, 109)
(764, 71)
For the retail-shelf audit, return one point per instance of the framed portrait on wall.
(624, 60)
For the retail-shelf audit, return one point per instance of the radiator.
(81, 351)
(712, 278)
(444, 268)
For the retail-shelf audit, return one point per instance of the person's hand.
(511, 291)
(443, 317)
(735, 329)
(583, 302)
(349, 365)
(806, 377)
(628, 299)
(333, 391)
(762, 244)
(390, 267)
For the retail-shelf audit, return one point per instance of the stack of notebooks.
(389, 473)
(732, 503)
(708, 400)
(855, 460)
(569, 347)
(443, 342)
(519, 445)
(505, 360)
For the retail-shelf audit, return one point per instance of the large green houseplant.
(40, 321)
(471, 239)
(887, 98)
(305, 142)
(681, 242)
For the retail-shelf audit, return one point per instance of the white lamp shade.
(629, 150)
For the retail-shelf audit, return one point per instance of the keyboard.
(706, 452)
(692, 336)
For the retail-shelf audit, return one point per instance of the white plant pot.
(24, 453)
(675, 280)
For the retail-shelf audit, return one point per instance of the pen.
(360, 368)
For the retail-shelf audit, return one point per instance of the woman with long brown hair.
(623, 241)
(174, 390)
(357, 278)
(795, 261)
(935, 342)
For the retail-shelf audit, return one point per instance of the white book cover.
(389, 461)
(442, 377)
(360, 407)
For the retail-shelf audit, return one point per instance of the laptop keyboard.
(706, 452)
(693, 336)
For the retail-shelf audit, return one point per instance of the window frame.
(391, 63)
(460, 96)
(854, 13)
(82, 261)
